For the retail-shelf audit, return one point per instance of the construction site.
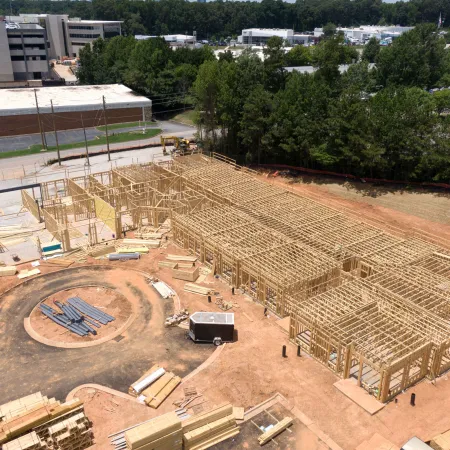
(332, 328)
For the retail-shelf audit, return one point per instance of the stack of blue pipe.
(73, 316)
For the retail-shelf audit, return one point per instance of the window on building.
(15, 47)
(85, 36)
(37, 75)
(40, 36)
(17, 58)
(35, 46)
(81, 27)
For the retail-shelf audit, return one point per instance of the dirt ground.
(409, 211)
(245, 373)
(107, 300)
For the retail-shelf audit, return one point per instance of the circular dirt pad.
(107, 300)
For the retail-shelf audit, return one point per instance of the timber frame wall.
(364, 302)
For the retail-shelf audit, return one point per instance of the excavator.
(179, 143)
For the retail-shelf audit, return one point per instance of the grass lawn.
(116, 139)
(186, 117)
(115, 126)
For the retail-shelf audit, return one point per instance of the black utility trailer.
(211, 327)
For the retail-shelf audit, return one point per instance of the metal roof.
(15, 102)
(213, 317)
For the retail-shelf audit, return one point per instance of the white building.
(364, 33)
(66, 36)
(23, 52)
(260, 36)
(174, 40)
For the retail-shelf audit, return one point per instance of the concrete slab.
(350, 388)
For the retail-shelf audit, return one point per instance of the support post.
(85, 140)
(39, 120)
(106, 128)
(283, 353)
(56, 133)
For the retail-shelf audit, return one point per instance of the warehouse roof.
(15, 102)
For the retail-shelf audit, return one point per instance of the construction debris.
(196, 289)
(177, 318)
(275, 430)
(36, 422)
(60, 262)
(225, 305)
(209, 428)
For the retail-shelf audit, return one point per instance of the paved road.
(12, 143)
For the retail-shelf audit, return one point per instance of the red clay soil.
(106, 300)
(388, 216)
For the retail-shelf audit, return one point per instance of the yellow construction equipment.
(179, 143)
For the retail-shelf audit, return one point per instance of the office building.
(23, 52)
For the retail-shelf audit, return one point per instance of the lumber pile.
(102, 250)
(58, 262)
(28, 273)
(207, 429)
(170, 264)
(181, 258)
(275, 430)
(146, 380)
(156, 393)
(441, 441)
(163, 432)
(186, 275)
(7, 271)
(37, 422)
(197, 289)
(149, 243)
(30, 441)
(132, 250)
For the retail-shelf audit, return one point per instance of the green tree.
(371, 50)
(298, 56)
(273, 64)
(255, 120)
(329, 30)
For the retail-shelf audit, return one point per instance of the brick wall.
(28, 124)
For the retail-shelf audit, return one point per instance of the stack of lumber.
(74, 432)
(101, 250)
(157, 392)
(147, 235)
(59, 426)
(170, 264)
(28, 273)
(58, 262)
(149, 243)
(190, 274)
(7, 271)
(30, 441)
(275, 430)
(132, 250)
(181, 258)
(197, 289)
(146, 380)
(441, 441)
(209, 428)
(163, 432)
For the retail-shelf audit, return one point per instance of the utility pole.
(85, 140)
(39, 120)
(56, 134)
(106, 128)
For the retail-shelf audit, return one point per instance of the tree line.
(219, 19)
(377, 121)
